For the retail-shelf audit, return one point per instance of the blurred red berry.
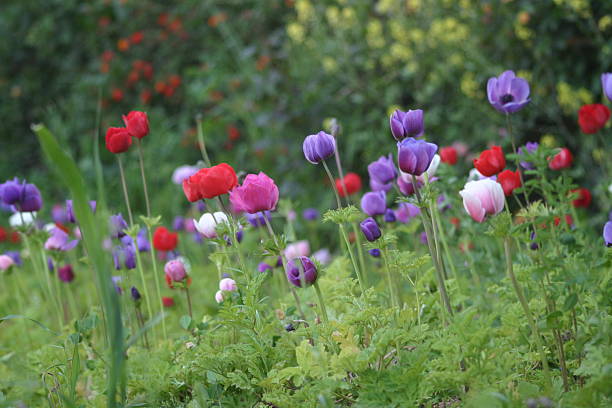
(160, 87)
(133, 77)
(137, 37)
(167, 301)
(103, 21)
(145, 96)
(123, 44)
(561, 160)
(147, 70)
(584, 198)
(3, 234)
(107, 56)
(116, 94)
(174, 80)
(455, 221)
(448, 155)
(233, 133)
(162, 19)
(262, 62)
(568, 220)
(592, 118)
(15, 237)
(352, 181)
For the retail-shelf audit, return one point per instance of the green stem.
(321, 302)
(125, 191)
(144, 285)
(188, 301)
(201, 143)
(525, 305)
(142, 175)
(156, 279)
(434, 257)
(298, 304)
(394, 301)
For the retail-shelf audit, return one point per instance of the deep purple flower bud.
(135, 294)
(443, 203)
(259, 218)
(390, 215)
(319, 147)
(606, 84)
(423, 237)
(370, 229)
(117, 226)
(50, 264)
(262, 267)
(58, 214)
(310, 214)
(179, 223)
(374, 252)
(508, 93)
(31, 200)
(407, 124)
(289, 327)
(142, 241)
(65, 274)
(70, 211)
(415, 156)
(530, 147)
(125, 254)
(240, 234)
(607, 233)
(406, 187)
(201, 206)
(301, 272)
(10, 191)
(534, 245)
(15, 256)
(116, 282)
(382, 173)
(374, 203)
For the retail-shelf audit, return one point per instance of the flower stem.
(321, 302)
(298, 304)
(156, 279)
(516, 160)
(394, 301)
(142, 174)
(188, 302)
(525, 305)
(432, 251)
(201, 143)
(144, 284)
(342, 231)
(125, 191)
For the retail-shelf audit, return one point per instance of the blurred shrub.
(265, 74)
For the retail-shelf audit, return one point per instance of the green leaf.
(185, 322)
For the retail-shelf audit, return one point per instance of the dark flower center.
(507, 98)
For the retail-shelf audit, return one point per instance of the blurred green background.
(264, 74)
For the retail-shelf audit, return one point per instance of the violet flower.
(508, 93)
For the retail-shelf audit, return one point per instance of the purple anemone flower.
(179, 223)
(15, 256)
(142, 241)
(374, 252)
(382, 172)
(21, 195)
(70, 211)
(319, 147)
(606, 84)
(390, 215)
(607, 233)
(530, 147)
(310, 214)
(262, 267)
(406, 211)
(374, 203)
(135, 294)
(59, 214)
(259, 218)
(370, 229)
(415, 156)
(406, 124)
(116, 282)
(59, 241)
(117, 226)
(183, 172)
(125, 254)
(301, 271)
(508, 93)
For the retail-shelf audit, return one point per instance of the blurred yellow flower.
(374, 34)
(548, 140)
(296, 32)
(304, 9)
(605, 22)
(333, 15)
(579, 6)
(598, 155)
(469, 86)
(329, 64)
(570, 99)
(522, 33)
